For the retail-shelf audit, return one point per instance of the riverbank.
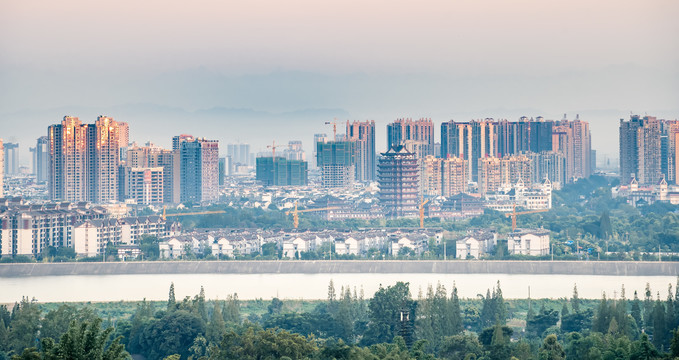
(608, 268)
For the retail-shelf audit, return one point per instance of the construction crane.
(334, 128)
(422, 213)
(193, 213)
(513, 215)
(273, 149)
(295, 213)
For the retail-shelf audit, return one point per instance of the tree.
(674, 344)
(231, 309)
(575, 300)
(642, 349)
(541, 322)
(636, 310)
(215, 327)
(58, 321)
(551, 349)
(85, 341)
(660, 330)
(24, 326)
(605, 227)
(172, 334)
(499, 344)
(577, 322)
(199, 304)
(455, 313)
(459, 346)
(390, 309)
(171, 300)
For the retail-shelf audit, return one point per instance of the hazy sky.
(365, 59)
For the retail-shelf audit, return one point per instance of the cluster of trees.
(390, 325)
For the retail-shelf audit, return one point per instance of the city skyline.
(292, 64)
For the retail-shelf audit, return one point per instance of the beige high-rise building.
(490, 174)
(431, 176)
(152, 156)
(496, 173)
(640, 150)
(582, 149)
(515, 168)
(562, 142)
(144, 185)
(454, 176)
(105, 159)
(2, 169)
(83, 160)
(124, 137)
(573, 139)
(169, 161)
(444, 177)
(68, 175)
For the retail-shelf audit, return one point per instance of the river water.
(313, 286)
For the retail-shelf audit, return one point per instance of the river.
(312, 286)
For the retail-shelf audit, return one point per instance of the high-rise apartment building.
(68, 173)
(562, 142)
(84, 160)
(541, 135)
(104, 159)
(431, 178)
(669, 151)
(2, 169)
(280, 171)
(640, 150)
(152, 156)
(548, 165)
(417, 135)
(490, 175)
(337, 161)
(444, 177)
(472, 141)
(41, 159)
(142, 184)
(240, 153)
(398, 177)
(124, 139)
(496, 173)
(318, 138)
(199, 170)
(477, 139)
(177, 140)
(295, 151)
(578, 150)
(11, 158)
(362, 133)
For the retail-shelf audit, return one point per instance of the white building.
(534, 242)
(475, 244)
(538, 197)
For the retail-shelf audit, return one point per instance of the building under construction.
(398, 174)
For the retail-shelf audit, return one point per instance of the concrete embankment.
(614, 268)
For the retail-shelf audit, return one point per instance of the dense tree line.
(390, 325)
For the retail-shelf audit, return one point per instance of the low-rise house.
(128, 252)
(418, 243)
(475, 244)
(222, 247)
(533, 242)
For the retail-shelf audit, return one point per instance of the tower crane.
(422, 213)
(295, 213)
(513, 215)
(273, 149)
(334, 128)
